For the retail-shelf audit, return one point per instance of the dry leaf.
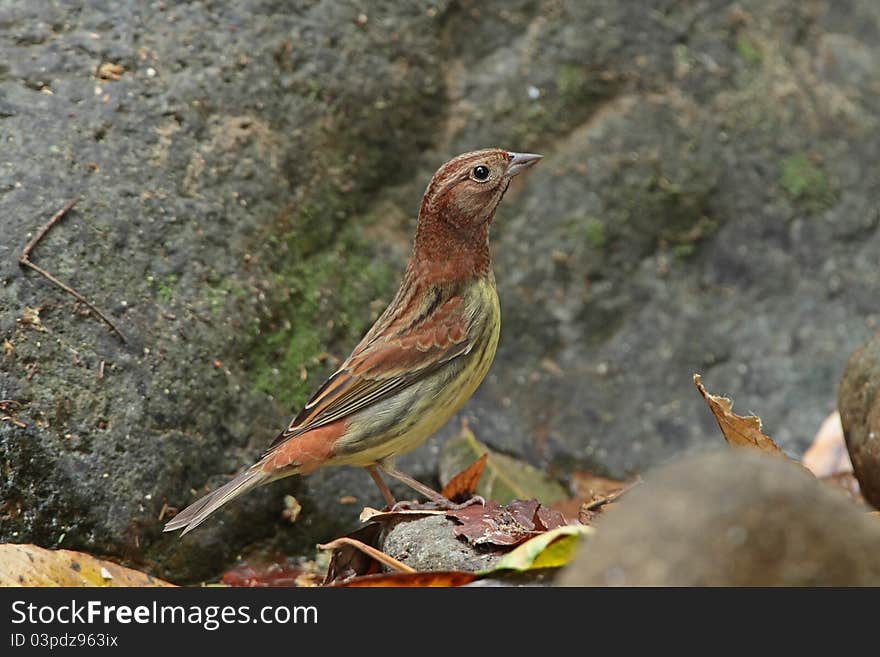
(828, 454)
(348, 562)
(29, 565)
(741, 431)
(463, 485)
(504, 478)
(421, 579)
(272, 574)
(498, 525)
(588, 488)
(551, 549)
(599, 503)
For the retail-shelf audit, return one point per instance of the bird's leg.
(427, 491)
(383, 487)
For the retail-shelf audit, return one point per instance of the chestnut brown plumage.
(421, 360)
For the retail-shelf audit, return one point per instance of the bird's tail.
(197, 512)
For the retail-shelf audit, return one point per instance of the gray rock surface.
(732, 518)
(430, 544)
(708, 202)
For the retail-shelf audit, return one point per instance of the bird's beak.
(519, 162)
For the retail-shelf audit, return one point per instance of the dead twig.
(25, 261)
(167, 510)
(7, 405)
(378, 555)
(13, 420)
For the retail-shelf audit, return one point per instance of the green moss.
(683, 251)
(668, 208)
(748, 50)
(589, 229)
(165, 289)
(655, 206)
(806, 183)
(681, 57)
(594, 232)
(324, 292)
(571, 81)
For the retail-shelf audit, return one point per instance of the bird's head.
(465, 192)
(452, 240)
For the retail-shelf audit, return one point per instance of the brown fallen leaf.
(30, 565)
(348, 561)
(419, 579)
(827, 458)
(504, 478)
(593, 507)
(738, 430)
(275, 573)
(509, 525)
(587, 488)
(547, 518)
(463, 485)
(828, 455)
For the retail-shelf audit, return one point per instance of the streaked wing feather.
(384, 363)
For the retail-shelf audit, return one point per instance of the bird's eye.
(480, 173)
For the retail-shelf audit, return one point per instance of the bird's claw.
(441, 504)
(476, 499)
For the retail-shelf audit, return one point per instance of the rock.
(219, 174)
(859, 403)
(731, 518)
(249, 185)
(430, 544)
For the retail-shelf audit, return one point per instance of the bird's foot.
(449, 505)
(438, 504)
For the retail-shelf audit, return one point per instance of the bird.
(421, 360)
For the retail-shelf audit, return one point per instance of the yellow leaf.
(550, 549)
(29, 565)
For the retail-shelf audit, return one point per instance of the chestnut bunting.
(421, 360)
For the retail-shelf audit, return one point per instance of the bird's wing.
(398, 351)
